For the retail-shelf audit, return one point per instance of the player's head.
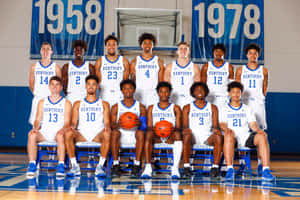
(46, 50)
(128, 88)
(252, 52)
(91, 84)
(219, 51)
(183, 50)
(79, 48)
(163, 90)
(199, 90)
(111, 44)
(147, 41)
(235, 90)
(55, 85)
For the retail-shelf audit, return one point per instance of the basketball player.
(181, 74)
(120, 135)
(39, 76)
(163, 110)
(201, 126)
(90, 122)
(75, 72)
(111, 69)
(147, 70)
(235, 120)
(217, 74)
(52, 121)
(254, 77)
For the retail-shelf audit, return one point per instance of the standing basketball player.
(181, 74)
(91, 114)
(124, 136)
(75, 72)
(235, 120)
(201, 126)
(147, 70)
(163, 110)
(111, 69)
(51, 122)
(217, 74)
(40, 74)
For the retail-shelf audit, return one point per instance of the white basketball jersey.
(76, 79)
(159, 114)
(42, 75)
(253, 83)
(91, 115)
(200, 119)
(146, 72)
(182, 78)
(53, 115)
(134, 108)
(237, 119)
(217, 79)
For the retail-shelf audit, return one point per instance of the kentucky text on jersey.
(53, 110)
(200, 114)
(182, 73)
(89, 109)
(162, 115)
(147, 66)
(258, 76)
(238, 115)
(74, 73)
(217, 73)
(47, 73)
(112, 68)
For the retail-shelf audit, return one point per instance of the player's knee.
(60, 138)
(229, 135)
(115, 134)
(69, 134)
(149, 136)
(218, 140)
(177, 136)
(32, 135)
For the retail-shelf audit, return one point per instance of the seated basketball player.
(201, 126)
(125, 136)
(90, 122)
(52, 120)
(235, 120)
(163, 110)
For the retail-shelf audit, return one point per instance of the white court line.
(12, 181)
(9, 168)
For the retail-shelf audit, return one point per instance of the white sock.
(229, 166)
(156, 158)
(215, 166)
(148, 167)
(137, 162)
(266, 167)
(61, 162)
(116, 162)
(73, 161)
(33, 161)
(258, 161)
(102, 161)
(186, 165)
(177, 151)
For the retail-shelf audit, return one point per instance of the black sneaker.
(116, 171)
(135, 171)
(156, 165)
(214, 172)
(186, 172)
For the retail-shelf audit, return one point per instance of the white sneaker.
(147, 173)
(100, 171)
(175, 173)
(74, 171)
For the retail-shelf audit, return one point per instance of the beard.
(111, 54)
(91, 93)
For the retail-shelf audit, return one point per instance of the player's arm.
(97, 68)
(265, 83)
(39, 116)
(114, 116)
(58, 71)
(106, 115)
(204, 73)
(185, 118)
(31, 77)
(223, 122)
(177, 111)
(126, 68)
(231, 72)
(238, 74)
(65, 70)
(149, 118)
(67, 117)
(92, 69)
(75, 115)
(132, 69)
(215, 120)
(167, 73)
(161, 69)
(142, 118)
(197, 72)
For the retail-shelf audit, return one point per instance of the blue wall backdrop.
(282, 117)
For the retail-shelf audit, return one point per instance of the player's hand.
(33, 131)
(217, 131)
(61, 131)
(107, 128)
(261, 132)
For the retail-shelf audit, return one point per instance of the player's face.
(128, 91)
(55, 87)
(252, 55)
(199, 92)
(91, 86)
(78, 52)
(219, 54)
(183, 51)
(111, 47)
(164, 94)
(235, 94)
(46, 51)
(147, 45)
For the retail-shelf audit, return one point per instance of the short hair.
(163, 84)
(46, 43)
(219, 46)
(79, 43)
(127, 81)
(147, 36)
(201, 84)
(235, 84)
(93, 77)
(111, 37)
(56, 78)
(253, 46)
(183, 43)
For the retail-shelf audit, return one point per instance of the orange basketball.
(128, 120)
(163, 128)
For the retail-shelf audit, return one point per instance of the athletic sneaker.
(186, 172)
(230, 174)
(116, 171)
(100, 171)
(147, 173)
(175, 173)
(60, 169)
(214, 172)
(259, 170)
(31, 169)
(135, 171)
(267, 176)
(74, 171)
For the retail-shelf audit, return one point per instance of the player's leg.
(148, 154)
(216, 140)
(115, 147)
(140, 139)
(228, 148)
(177, 151)
(60, 154)
(187, 141)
